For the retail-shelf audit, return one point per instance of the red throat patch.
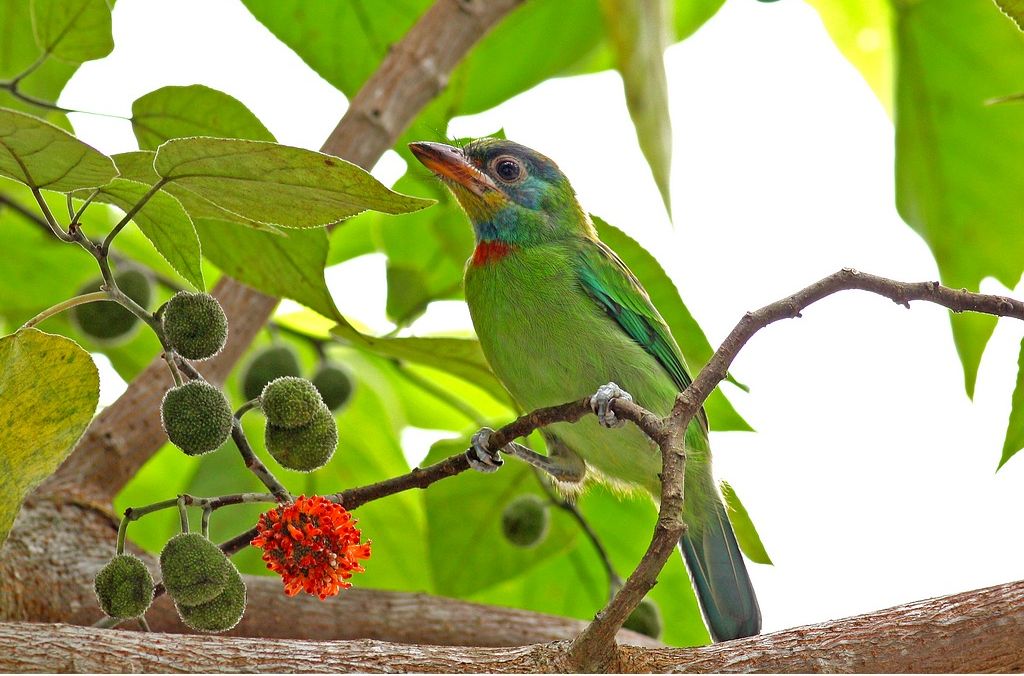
(491, 251)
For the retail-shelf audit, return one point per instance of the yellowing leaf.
(1014, 440)
(49, 389)
(746, 535)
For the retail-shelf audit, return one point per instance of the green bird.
(560, 317)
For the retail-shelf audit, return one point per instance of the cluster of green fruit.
(207, 589)
(279, 361)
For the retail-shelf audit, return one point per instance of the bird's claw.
(601, 403)
(480, 458)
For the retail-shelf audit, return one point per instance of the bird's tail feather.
(720, 577)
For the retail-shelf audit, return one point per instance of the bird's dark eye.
(507, 169)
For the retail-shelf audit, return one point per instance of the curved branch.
(980, 631)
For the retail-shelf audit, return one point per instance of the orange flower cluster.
(312, 544)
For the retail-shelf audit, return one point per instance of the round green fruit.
(525, 521)
(290, 402)
(220, 613)
(196, 416)
(194, 569)
(305, 448)
(268, 364)
(334, 385)
(195, 325)
(108, 322)
(124, 587)
(645, 619)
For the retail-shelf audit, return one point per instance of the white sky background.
(871, 477)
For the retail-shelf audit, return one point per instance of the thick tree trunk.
(981, 631)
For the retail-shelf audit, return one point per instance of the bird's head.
(511, 193)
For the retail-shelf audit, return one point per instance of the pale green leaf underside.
(276, 184)
(73, 30)
(49, 388)
(1014, 440)
(164, 223)
(195, 110)
(41, 155)
(746, 535)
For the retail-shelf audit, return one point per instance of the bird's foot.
(480, 458)
(601, 403)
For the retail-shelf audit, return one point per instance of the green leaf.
(1014, 440)
(41, 155)
(461, 357)
(164, 223)
(73, 30)
(862, 32)
(692, 14)
(19, 53)
(467, 550)
(746, 535)
(138, 166)
(49, 389)
(639, 35)
(196, 110)
(277, 184)
(289, 265)
(688, 334)
(955, 155)
(1013, 9)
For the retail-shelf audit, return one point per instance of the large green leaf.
(195, 110)
(289, 265)
(639, 34)
(276, 184)
(461, 357)
(467, 550)
(73, 30)
(746, 534)
(18, 52)
(1014, 440)
(164, 223)
(41, 155)
(49, 389)
(955, 155)
(688, 334)
(862, 32)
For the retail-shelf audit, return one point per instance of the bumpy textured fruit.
(106, 321)
(525, 521)
(269, 364)
(220, 613)
(194, 569)
(195, 325)
(124, 587)
(196, 416)
(290, 402)
(645, 619)
(334, 385)
(305, 448)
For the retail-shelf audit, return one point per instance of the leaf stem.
(67, 305)
(51, 222)
(105, 247)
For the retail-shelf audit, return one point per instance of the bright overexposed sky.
(871, 476)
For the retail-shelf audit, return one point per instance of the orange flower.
(312, 544)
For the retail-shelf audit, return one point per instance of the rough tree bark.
(971, 632)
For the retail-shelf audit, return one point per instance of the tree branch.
(979, 631)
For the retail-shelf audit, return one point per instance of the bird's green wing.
(617, 290)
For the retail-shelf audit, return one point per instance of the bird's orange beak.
(449, 163)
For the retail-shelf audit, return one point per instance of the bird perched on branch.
(559, 316)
